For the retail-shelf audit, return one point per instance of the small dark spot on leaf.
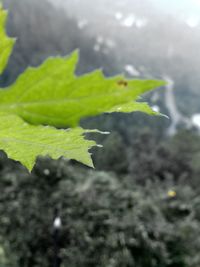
(122, 83)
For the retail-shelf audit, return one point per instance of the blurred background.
(140, 207)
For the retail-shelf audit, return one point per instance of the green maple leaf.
(24, 142)
(53, 95)
(6, 43)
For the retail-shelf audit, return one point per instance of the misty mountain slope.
(43, 31)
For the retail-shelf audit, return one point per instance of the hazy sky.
(188, 10)
(184, 7)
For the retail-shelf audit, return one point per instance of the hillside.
(43, 31)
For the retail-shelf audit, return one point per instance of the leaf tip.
(75, 55)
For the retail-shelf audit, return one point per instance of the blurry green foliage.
(109, 219)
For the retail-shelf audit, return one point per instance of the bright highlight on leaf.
(53, 95)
